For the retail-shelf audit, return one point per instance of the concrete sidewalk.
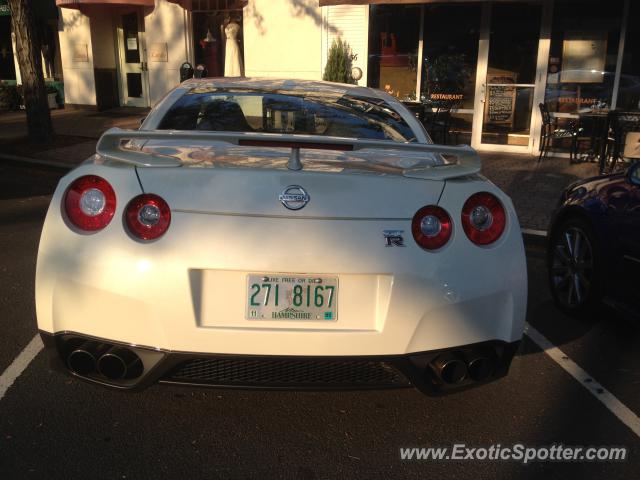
(534, 187)
(78, 122)
(76, 133)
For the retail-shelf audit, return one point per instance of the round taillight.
(90, 203)
(431, 227)
(147, 216)
(483, 218)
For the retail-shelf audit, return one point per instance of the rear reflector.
(483, 218)
(431, 227)
(147, 216)
(90, 203)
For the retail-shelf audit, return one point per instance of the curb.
(34, 161)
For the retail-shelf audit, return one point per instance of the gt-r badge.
(393, 238)
(294, 197)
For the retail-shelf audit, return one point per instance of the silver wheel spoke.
(569, 243)
(577, 287)
(570, 294)
(577, 246)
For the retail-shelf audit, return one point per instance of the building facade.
(494, 61)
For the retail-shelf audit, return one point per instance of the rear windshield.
(241, 110)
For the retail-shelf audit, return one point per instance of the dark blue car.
(594, 244)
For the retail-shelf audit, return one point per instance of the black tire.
(574, 266)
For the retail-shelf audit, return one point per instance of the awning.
(228, 5)
(84, 3)
(324, 3)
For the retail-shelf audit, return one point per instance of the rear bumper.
(287, 372)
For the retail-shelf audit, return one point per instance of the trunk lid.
(256, 182)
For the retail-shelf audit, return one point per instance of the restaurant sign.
(446, 96)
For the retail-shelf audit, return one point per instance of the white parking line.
(533, 232)
(19, 364)
(620, 410)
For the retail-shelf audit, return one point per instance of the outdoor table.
(599, 133)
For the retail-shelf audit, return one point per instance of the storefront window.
(583, 55)
(629, 89)
(218, 38)
(393, 49)
(450, 54)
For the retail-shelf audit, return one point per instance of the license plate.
(291, 297)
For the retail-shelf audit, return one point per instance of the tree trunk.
(34, 91)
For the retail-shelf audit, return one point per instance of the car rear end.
(261, 276)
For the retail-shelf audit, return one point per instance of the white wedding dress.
(232, 60)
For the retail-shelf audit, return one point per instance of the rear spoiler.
(126, 146)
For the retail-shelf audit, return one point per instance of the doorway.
(506, 77)
(134, 78)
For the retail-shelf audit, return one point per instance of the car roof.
(286, 85)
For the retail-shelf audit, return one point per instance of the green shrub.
(10, 97)
(338, 68)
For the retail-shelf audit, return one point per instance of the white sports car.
(280, 234)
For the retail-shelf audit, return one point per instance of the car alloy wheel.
(572, 267)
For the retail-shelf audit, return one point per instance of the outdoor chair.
(619, 147)
(550, 132)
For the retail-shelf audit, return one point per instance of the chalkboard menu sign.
(501, 103)
(501, 100)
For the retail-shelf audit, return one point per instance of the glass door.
(133, 65)
(507, 72)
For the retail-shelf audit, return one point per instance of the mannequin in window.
(232, 60)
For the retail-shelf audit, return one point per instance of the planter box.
(52, 100)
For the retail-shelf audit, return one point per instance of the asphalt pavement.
(53, 426)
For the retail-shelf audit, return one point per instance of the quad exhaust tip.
(480, 368)
(120, 363)
(83, 359)
(449, 368)
(112, 362)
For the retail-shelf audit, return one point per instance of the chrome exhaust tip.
(480, 368)
(120, 363)
(82, 360)
(449, 368)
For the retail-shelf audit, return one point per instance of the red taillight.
(90, 203)
(431, 227)
(147, 216)
(483, 218)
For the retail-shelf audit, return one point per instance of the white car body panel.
(108, 285)
(186, 292)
